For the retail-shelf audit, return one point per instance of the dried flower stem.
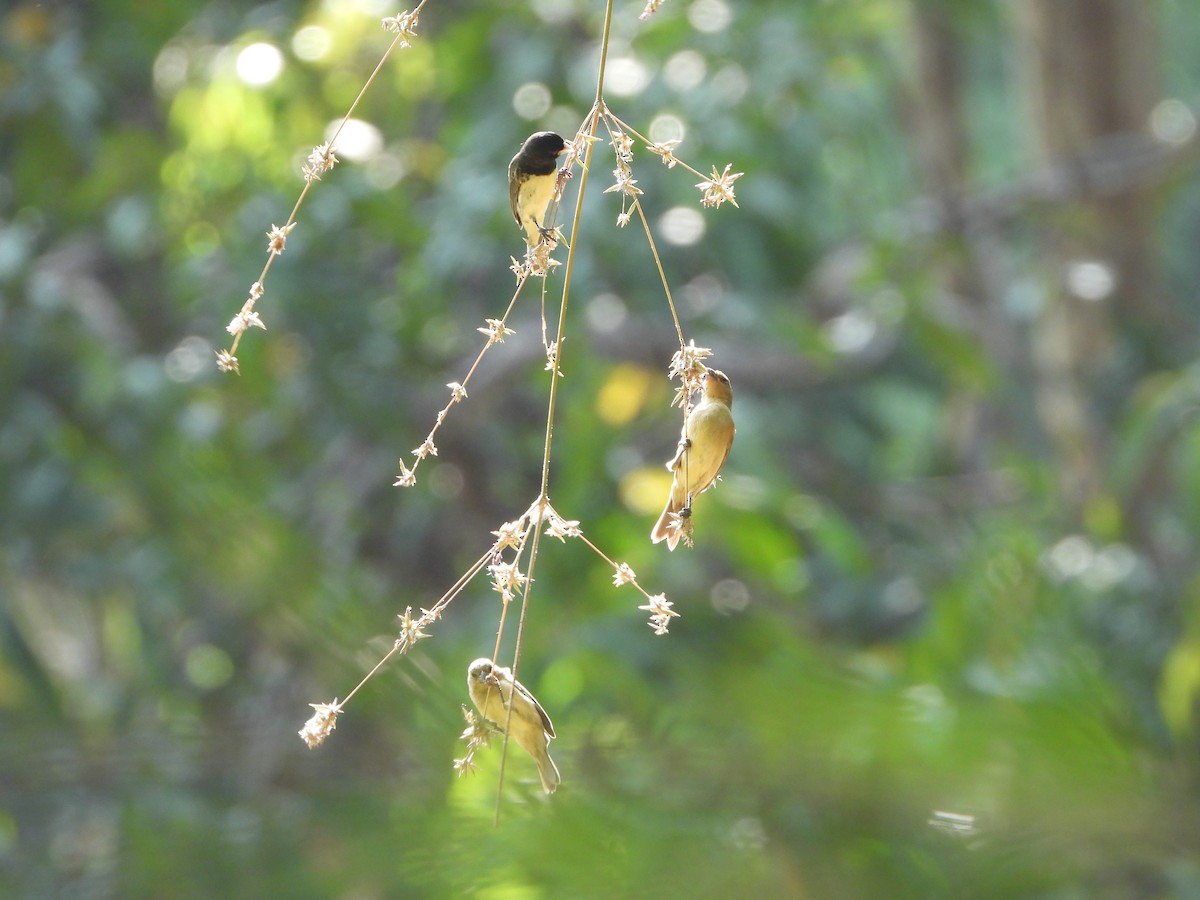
(637, 204)
(624, 126)
(396, 648)
(504, 607)
(543, 499)
(401, 39)
(616, 566)
(463, 581)
(410, 633)
(458, 390)
(533, 549)
(227, 359)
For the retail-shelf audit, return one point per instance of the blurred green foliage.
(913, 660)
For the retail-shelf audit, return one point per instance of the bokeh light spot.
(606, 313)
(208, 666)
(626, 76)
(644, 490)
(312, 43)
(684, 70)
(1173, 121)
(358, 141)
(259, 64)
(623, 394)
(682, 226)
(188, 359)
(667, 128)
(531, 100)
(1091, 279)
(710, 16)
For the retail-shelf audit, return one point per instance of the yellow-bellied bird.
(707, 436)
(493, 689)
(532, 175)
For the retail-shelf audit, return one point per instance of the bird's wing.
(716, 471)
(547, 725)
(514, 190)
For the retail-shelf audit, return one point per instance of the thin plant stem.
(396, 42)
(443, 601)
(661, 274)
(454, 398)
(386, 53)
(616, 566)
(379, 665)
(463, 580)
(554, 379)
(536, 525)
(504, 607)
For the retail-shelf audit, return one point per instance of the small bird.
(532, 176)
(488, 683)
(707, 436)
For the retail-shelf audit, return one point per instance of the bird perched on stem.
(707, 436)
(493, 689)
(532, 176)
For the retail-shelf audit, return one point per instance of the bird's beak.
(490, 678)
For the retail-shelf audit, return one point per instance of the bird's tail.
(549, 772)
(667, 529)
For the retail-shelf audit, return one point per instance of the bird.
(532, 176)
(707, 436)
(492, 691)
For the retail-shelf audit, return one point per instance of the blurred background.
(940, 631)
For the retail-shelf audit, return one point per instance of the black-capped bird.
(492, 690)
(532, 175)
(703, 448)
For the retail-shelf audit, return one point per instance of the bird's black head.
(543, 145)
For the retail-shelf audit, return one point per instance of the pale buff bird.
(707, 436)
(530, 726)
